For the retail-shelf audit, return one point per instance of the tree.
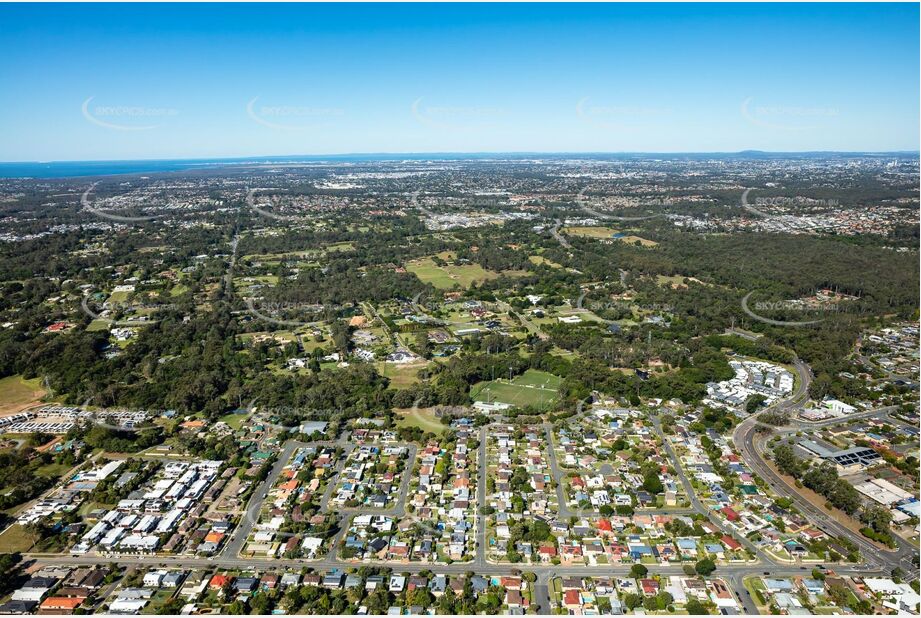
(633, 600)
(696, 608)
(787, 460)
(638, 571)
(705, 567)
(877, 518)
(652, 483)
(754, 402)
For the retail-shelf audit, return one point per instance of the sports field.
(532, 388)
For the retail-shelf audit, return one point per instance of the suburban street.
(744, 437)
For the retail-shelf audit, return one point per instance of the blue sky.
(110, 81)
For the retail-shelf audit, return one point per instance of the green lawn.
(97, 325)
(534, 388)
(422, 418)
(235, 421)
(52, 470)
(340, 246)
(119, 297)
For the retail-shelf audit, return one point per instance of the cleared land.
(450, 275)
(633, 239)
(532, 388)
(400, 376)
(15, 539)
(423, 418)
(119, 297)
(538, 260)
(607, 233)
(17, 394)
(234, 421)
(590, 231)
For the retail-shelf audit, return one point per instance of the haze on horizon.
(110, 82)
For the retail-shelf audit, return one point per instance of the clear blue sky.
(109, 81)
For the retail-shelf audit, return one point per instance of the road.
(738, 587)
(697, 505)
(564, 509)
(745, 438)
(734, 573)
(480, 560)
(399, 506)
(555, 232)
(228, 276)
(543, 571)
(254, 507)
(533, 328)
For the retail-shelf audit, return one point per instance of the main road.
(744, 438)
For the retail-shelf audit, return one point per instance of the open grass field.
(602, 232)
(15, 539)
(423, 418)
(590, 231)
(400, 376)
(53, 470)
(643, 241)
(97, 325)
(446, 277)
(17, 394)
(532, 388)
(234, 421)
(178, 290)
(537, 260)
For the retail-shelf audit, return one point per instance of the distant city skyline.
(140, 82)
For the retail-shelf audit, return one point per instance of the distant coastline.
(75, 169)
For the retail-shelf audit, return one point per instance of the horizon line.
(474, 153)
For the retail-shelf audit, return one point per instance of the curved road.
(744, 439)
